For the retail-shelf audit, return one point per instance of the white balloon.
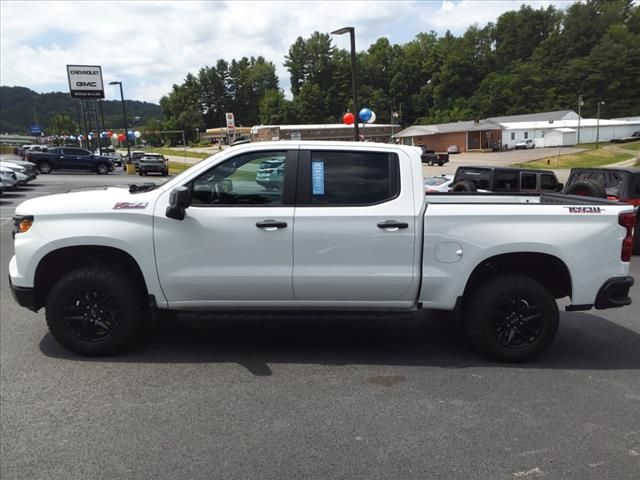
(373, 117)
(137, 134)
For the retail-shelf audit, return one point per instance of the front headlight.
(22, 224)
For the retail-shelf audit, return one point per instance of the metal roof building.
(504, 132)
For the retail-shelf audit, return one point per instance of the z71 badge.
(130, 205)
(585, 209)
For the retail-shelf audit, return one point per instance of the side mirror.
(179, 201)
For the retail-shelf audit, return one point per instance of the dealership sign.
(85, 81)
(231, 124)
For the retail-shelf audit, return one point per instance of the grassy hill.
(17, 109)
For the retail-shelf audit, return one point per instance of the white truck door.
(355, 229)
(235, 242)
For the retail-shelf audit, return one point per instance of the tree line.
(529, 60)
(60, 114)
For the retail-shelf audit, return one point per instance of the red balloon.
(348, 118)
(109, 134)
(121, 137)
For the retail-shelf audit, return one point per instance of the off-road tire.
(95, 311)
(511, 318)
(463, 186)
(589, 188)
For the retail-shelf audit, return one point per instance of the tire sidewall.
(126, 300)
(490, 297)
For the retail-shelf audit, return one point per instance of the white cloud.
(152, 45)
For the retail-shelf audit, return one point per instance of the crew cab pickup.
(348, 228)
(70, 158)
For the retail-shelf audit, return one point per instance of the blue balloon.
(131, 134)
(365, 114)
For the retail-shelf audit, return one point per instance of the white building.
(565, 132)
(547, 129)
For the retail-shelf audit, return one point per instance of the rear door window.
(349, 178)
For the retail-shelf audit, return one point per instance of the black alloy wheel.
(517, 324)
(91, 315)
(511, 318)
(95, 310)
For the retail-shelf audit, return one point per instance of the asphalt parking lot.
(314, 397)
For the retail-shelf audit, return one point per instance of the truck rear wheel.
(44, 167)
(511, 318)
(94, 311)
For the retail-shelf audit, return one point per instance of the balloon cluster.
(366, 115)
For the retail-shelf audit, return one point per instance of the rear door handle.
(271, 225)
(392, 225)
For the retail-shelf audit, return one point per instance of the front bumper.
(614, 293)
(25, 297)
(154, 168)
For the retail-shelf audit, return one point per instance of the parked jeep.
(505, 179)
(621, 184)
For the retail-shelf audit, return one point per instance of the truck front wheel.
(511, 318)
(94, 311)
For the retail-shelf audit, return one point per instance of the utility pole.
(598, 124)
(579, 109)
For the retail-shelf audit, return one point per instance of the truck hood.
(100, 199)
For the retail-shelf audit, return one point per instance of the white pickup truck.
(316, 225)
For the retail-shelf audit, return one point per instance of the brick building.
(479, 135)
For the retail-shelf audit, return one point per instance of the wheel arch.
(547, 269)
(58, 263)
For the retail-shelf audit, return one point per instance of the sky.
(152, 45)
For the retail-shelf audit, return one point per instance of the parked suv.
(504, 179)
(153, 163)
(525, 144)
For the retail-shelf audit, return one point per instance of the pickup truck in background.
(348, 228)
(70, 158)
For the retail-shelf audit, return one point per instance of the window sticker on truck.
(585, 209)
(317, 177)
(130, 205)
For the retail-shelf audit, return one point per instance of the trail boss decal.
(130, 205)
(585, 209)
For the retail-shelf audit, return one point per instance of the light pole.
(598, 124)
(579, 107)
(352, 33)
(124, 114)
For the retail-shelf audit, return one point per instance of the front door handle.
(392, 225)
(271, 225)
